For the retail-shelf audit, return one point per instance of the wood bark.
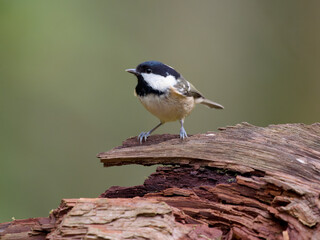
(243, 182)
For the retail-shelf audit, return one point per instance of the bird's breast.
(168, 107)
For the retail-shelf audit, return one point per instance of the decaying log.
(22, 229)
(103, 218)
(251, 182)
(243, 182)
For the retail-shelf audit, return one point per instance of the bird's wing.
(185, 88)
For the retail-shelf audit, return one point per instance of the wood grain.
(242, 182)
(274, 178)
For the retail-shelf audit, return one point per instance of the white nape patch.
(301, 160)
(159, 82)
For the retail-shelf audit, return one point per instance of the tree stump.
(243, 182)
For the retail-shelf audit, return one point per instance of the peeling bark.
(250, 182)
(243, 182)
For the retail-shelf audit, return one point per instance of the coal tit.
(166, 94)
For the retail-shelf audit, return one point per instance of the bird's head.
(157, 75)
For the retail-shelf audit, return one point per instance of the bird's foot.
(183, 133)
(143, 135)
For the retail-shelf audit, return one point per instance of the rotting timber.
(242, 182)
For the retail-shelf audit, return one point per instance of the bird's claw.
(143, 135)
(183, 133)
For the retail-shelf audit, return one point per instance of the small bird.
(166, 94)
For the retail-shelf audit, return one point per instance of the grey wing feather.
(187, 89)
(211, 104)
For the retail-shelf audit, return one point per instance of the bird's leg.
(183, 133)
(144, 135)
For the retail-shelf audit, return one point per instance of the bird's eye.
(148, 70)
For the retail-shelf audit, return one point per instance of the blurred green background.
(65, 96)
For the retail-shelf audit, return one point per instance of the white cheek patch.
(159, 82)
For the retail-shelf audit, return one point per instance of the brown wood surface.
(242, 182)
(274, 178)
(288, 150)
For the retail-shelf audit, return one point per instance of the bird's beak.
(133, 71)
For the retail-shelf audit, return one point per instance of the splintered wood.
(119, 219)
(250, 182)
(243, 182)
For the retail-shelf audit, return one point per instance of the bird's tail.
(210, 103)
